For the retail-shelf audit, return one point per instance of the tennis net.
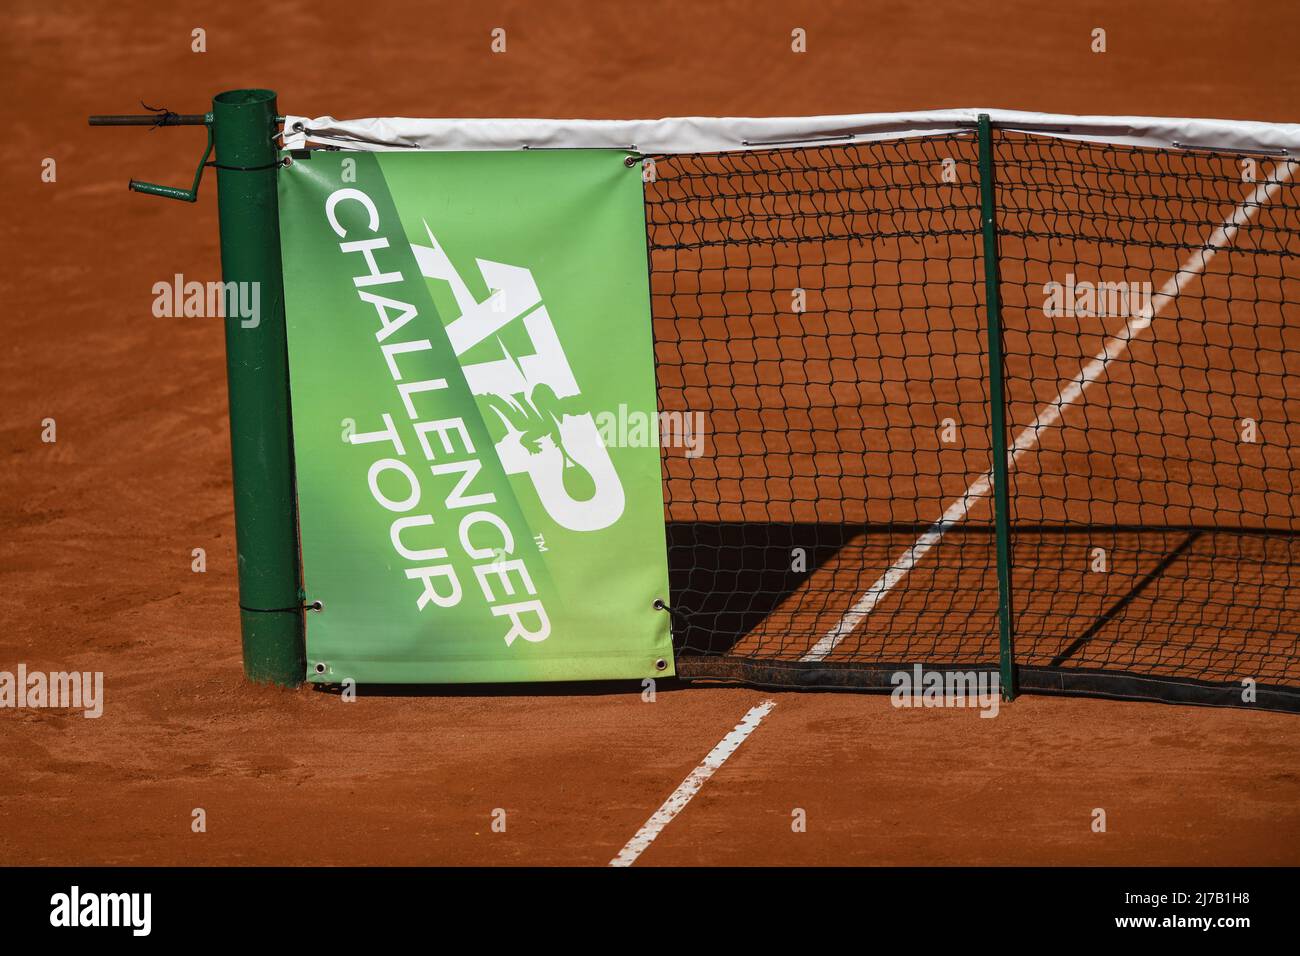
(819, 288)
(823, 307)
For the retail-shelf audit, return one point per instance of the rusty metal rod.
(151, 119)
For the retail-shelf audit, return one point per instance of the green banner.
(469, 337)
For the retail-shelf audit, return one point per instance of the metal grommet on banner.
(316, 606)
(631, 161)
(298, 127)
(321, 667)
(287, 161)
(677, 616)
(661, 665)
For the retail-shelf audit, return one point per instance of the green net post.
(997, 406)
(244, 127)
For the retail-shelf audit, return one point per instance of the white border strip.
(1050, 415)
(689, 787)
(698, 134)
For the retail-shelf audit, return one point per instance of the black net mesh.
(820, 333)
(1154, 526)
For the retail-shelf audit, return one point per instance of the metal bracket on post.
(997, 406)
(154, 120)
(174, 192)
(242, 128)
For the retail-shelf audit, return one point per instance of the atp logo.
(549, 434)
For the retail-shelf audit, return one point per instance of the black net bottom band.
(825, 397)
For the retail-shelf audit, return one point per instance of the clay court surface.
(97, 530)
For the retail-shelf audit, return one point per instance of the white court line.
(1050, 415)
(689, 787)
